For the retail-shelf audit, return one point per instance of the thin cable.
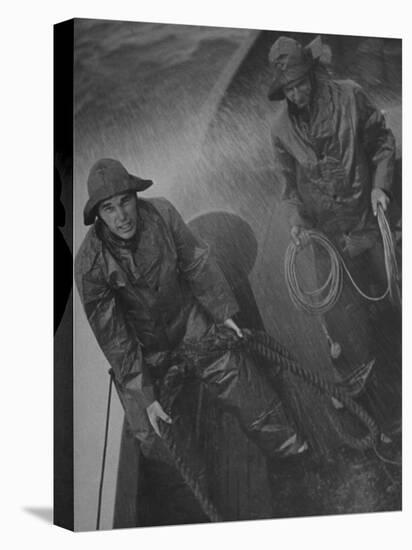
(106, 433)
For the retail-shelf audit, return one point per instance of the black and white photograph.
(232, 204)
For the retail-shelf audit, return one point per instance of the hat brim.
(314, 51)
(134, 184)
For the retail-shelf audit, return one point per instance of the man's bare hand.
(232, 325)
(155, 413)
(378, 196)
(299, 236)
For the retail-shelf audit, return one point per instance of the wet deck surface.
(345, 482)
(352, 482)
(330, 479)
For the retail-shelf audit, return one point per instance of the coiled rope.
(321, 300)
(180, 459)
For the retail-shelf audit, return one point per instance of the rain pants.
(146, 296)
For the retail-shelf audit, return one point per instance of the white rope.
(321, 300)
(391, 265)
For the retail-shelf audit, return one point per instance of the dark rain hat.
(108, 177)
(290, 61)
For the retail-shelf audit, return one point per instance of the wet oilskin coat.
(145, 307)
(328, 166)
(145, 298)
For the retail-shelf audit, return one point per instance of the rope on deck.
(269, 349)
(175, 376)
(279, 358)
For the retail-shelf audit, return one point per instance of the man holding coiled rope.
(334, 161)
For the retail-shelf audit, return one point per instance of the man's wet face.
(119, 213)
(299, 92)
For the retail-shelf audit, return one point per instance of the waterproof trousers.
(238, 384)
(367, 330)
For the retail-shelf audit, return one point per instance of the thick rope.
(280, 358)
(321, 300)
(175, 376)
(187, 474)
(268, 348)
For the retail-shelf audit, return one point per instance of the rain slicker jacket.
(148, 298)
(328, 165)
(140, 302)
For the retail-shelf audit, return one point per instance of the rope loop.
(322, 299)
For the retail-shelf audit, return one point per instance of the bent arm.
(286, 174)
(378, 140)
(121, 348)
(201, 271)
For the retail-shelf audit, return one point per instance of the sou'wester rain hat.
(290, 61)
(108, 177)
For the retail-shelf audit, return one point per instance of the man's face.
(119, 213)
(299, 92)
